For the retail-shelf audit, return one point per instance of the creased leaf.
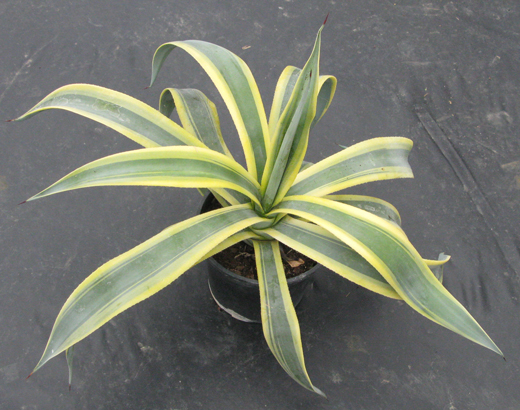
(279, 320)
(141, 272)
(132, 118)
(376, 159)
(198, 116)
(238, 89)
(179, 166)
(387, 248)
(291, 134)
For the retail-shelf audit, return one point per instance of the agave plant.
(277, 198)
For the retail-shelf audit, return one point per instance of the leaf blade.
(284, 88)
(239, 90)
(178, 166)
(376, 206)
(386, 247)
(290, 139)
(319, 244)
(141, 272)
(327, 88)
(279, 320)
(282, 94)
(371, 160)
(198, 116)
(127, 115)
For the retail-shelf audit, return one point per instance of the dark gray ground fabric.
(444, 73)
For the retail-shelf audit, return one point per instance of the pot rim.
(290, 281)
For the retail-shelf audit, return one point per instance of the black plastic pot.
(240, 296)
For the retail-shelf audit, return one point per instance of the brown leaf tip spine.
(326, 18)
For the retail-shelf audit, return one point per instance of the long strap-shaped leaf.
(388, 212)
(371, 160)
(319, 244)
(141, 272)
(198, 116)
(293, 146)
(284, 88)
(386, 248)
(291, 135)
(370, 204)
(239, 90)
(132, 118)
(282, 94)
(181, 166)
(279, 320)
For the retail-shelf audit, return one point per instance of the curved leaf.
(437, 266)
(386, 248)
(279, 320)
(238, 88)
(198, 116)
(371, 160)
(327, 88)
(185, 167)
(319, 244)
(132, 118)
(141, 272)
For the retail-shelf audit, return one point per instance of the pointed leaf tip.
(27, 378)
(10, 120)
(320, 393)
(326, 18)
(23, 202)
